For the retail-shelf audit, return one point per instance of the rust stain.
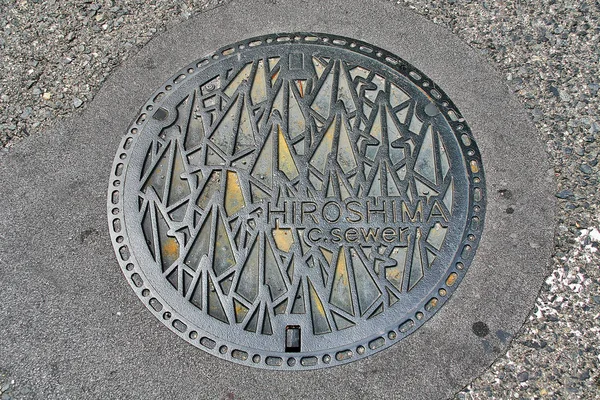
(393, 274)
(431, 304)
(286, 161)
(340, 294)
(234, 198)
(242, 76)
(327, 254)
(451, 279)
(239, 309)
(171, 248)
(316, 302)
(283, 238)
(274, 76)
(259, 91)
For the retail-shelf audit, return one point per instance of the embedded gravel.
(54, 56)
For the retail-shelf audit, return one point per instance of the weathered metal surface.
(296, 201)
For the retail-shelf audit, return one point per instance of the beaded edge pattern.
(248, 356)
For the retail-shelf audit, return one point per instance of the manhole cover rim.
(360, 349)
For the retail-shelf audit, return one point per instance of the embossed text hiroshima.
(373, 221)
(312, 188)
(307, 167)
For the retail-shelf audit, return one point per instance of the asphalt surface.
(547, 52)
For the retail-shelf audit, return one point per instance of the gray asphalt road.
(55, 57)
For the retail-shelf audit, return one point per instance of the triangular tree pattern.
(280, 129)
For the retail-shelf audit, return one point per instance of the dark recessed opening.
(160, 114)
(292, 339)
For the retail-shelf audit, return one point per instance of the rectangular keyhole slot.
(292, 339)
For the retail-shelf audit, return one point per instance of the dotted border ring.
(248, 356)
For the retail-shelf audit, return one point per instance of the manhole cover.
(296, 201)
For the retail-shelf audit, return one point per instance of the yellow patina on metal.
(234, 198)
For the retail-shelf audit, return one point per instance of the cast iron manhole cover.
(296, 201)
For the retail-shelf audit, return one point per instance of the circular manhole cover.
(296, 201)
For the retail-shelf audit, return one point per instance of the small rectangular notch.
(292, 339)
(296, 61)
